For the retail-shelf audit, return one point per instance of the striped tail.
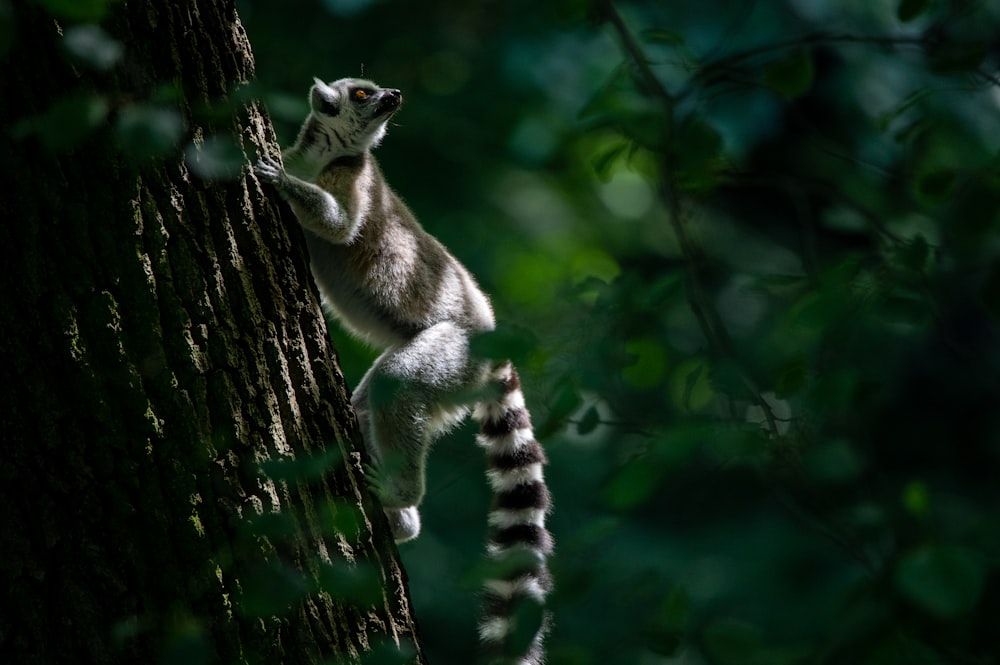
(514, 621)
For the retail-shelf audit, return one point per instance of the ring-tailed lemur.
(393, 284)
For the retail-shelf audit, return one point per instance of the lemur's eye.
(360, 94)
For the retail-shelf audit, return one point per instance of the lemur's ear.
(323, 99)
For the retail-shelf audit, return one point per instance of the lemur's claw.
(268, 170)
(375, 479)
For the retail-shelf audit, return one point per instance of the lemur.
(391, 283)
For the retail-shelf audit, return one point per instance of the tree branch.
(708, 318)
(730, 61)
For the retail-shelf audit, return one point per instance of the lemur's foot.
(377, 481)
(404, 522)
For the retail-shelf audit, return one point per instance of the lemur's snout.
(391, 99)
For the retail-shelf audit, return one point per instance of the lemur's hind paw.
(375, 479)
(404, 522)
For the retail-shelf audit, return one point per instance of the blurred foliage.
(756, 247)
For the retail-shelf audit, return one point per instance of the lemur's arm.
(314, 207)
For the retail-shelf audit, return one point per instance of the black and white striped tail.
(518, 542)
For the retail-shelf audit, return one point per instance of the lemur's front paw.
(269, 170)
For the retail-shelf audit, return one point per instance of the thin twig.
(727, 62)
(635, 52)
(845, 542)
(708, 318)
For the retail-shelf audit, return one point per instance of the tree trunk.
(179, 479)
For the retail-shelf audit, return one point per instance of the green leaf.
(697, 154)
(833, 463)
(272, 589)
(835, 389)
(216, 158)
(904, 306)
(77, 10)
(615, 96)
(911, 9)
(67, 123)
(664, 37)
(914, 130)
(650, 365)
(357, 584)
(731, 642)
(990, 294)
(791, 75)
(186, 644)
(276, 527)
(955, 57)
(8, 29)
(945, 581)
(148, 132)
(914, 254)
(303, 468)
(780, 284)
(91, 44)
(605, 160)
(594, 263)
(916, 498)
(690, 385)
(886, 119)
(646, 127)
(386, 652)
(562, 405)
(792, 378)
(526, 620)
(662, 643)
(698, 138)
(676, 446)
(506, 342)
(632, 484)
(665, 630)
(589, 422)
(934, 186)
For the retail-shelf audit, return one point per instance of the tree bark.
(179, 481)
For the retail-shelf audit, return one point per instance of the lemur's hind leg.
(409, 396)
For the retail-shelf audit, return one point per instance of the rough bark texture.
(162, 344)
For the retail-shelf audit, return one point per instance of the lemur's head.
(350, 115)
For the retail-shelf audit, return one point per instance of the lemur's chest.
(387, 247)
(380, 264)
